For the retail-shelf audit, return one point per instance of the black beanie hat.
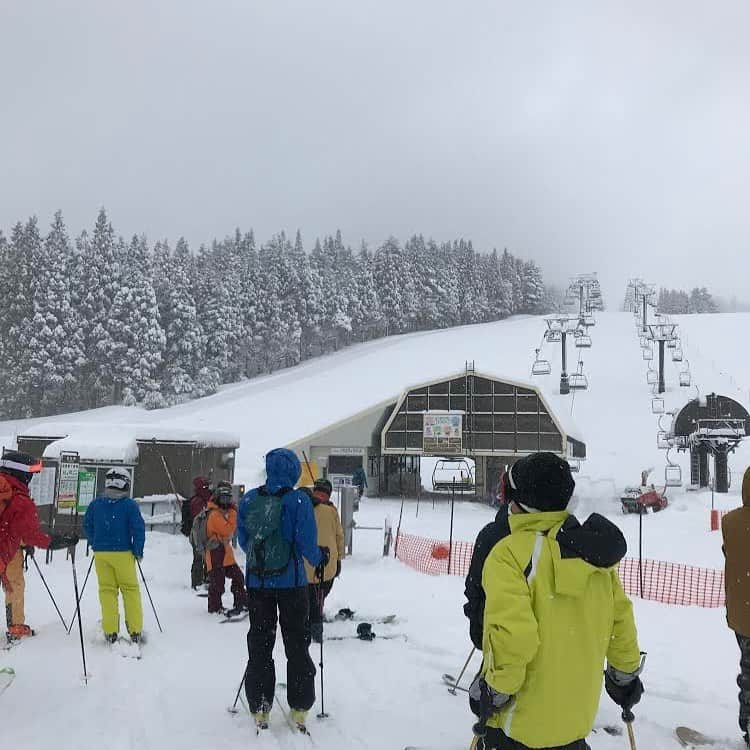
(541, 482)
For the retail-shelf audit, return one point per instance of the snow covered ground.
(387, 694)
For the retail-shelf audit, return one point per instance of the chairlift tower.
(561, 325)
(663, 333)
(645, 294)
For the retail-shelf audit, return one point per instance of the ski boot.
(261, 720)
(111, 637)
(299, 718)
(17, 632)
(135, 638)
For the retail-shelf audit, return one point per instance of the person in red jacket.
(199, 502)
(19, 527)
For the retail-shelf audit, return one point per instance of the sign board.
(86, 488)
(42, 486)
(338, 479)
(67, 486)
(442, 433)
(346, 451)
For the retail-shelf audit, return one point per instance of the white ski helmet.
(117, 479)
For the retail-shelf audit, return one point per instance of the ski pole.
(233, 709)
(458, 679)
(143, 578)
(78, 612)
(628, 717)
(38, 569)
(83, 588)
(322, 714)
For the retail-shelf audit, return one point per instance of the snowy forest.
(103, 320)
(678, 302)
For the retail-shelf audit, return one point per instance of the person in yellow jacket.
(331, 536)
(555, 612)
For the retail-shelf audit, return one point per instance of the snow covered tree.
(183, 355)
(510, 272)
(499, 290)
(533, 288)
(138, 340)
(387, 272)
(23, 254)
(96, 287)
(55, 341)
(366, 313)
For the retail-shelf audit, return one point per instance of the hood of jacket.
(746, 488)
(582, 550)
(283, 469)
(597, 541)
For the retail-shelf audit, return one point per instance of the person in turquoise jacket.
(116, 532)
(276, 529)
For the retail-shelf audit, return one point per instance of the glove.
(489, 699)
(63, 541)
(624, 688)
(338, 568)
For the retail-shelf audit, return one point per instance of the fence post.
(450, 538)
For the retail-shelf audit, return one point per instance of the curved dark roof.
(713, 407)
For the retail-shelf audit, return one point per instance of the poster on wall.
(442, 433)
(67, 487)
(86, 488)
(42, 486)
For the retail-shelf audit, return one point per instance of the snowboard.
(233, 616)
(347, 615)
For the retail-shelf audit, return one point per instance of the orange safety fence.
(664, 582)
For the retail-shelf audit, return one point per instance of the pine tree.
(56, 350)
(183, 356)
(499, 290)
(367, 315)
(96, 287)
(387, 272)
(138, 340)
(533, 288)
(23, 254)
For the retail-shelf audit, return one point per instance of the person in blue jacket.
(276, 529)
(116, 532)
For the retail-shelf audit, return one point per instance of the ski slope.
(388, 694)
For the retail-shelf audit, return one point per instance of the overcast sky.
(590, 136)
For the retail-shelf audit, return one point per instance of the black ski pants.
(290, 609)
(198, 572)
(317, 593)
(743, 681)
(496, 739)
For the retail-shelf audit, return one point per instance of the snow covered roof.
(93, 434)
(96, 445)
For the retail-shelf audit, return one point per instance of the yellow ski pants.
(14, 612)
(116, 572)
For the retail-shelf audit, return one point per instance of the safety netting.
(655, 580)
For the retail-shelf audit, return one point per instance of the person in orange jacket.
(220, 563)
(330, 535)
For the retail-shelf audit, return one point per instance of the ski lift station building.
(492, 420)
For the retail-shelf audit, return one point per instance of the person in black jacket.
(486, 539)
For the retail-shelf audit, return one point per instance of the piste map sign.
(67, 488)
(442, 433)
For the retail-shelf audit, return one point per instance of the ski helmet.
(20, 465)
(117, 478)
(324, 486)
(223, 496)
